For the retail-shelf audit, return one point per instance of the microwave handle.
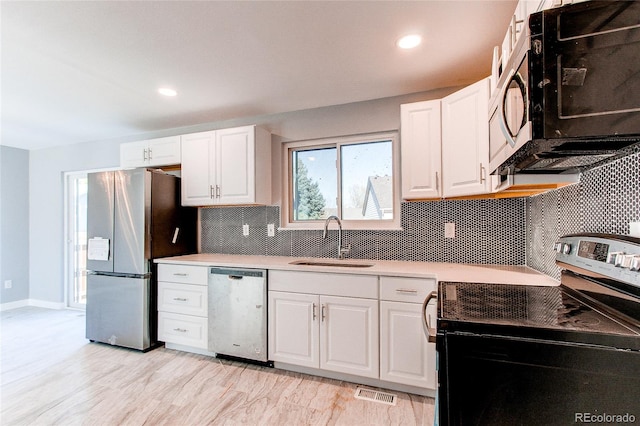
(503, 121)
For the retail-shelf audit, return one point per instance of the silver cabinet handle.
(180, 330)
(482, 173)
(406, 291)
(180, 274)
(428, 330)
(149, 154)
(313, 308)
(322, 314)
(144, 154)
(180, 299)
(211, 192)
(437, 183)
(217, 191)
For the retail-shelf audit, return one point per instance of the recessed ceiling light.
(409, 41)
(167, 92)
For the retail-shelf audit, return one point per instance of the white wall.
(14, 223)
(46, 213)
(46, 258)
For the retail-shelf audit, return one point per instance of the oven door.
(497, 380)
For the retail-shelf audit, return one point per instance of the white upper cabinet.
(420, 150)
(465, 141)
(150, 153)
(226, 167)
(445, 145)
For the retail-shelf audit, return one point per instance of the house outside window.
(355, 178)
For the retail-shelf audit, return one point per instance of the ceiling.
(89, 71)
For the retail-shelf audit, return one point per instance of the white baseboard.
(31, 302)
(14, 305)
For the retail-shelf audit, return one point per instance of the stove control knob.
(611, 257)
(635, 263)
(566, 248)
(557, 247)
(619, 258)
(627, 259)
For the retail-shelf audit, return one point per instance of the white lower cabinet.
(293, 328)
(185, 330)
(349, 335)
(406, 356)
(182, 306)
(328, 332)
(315, 322)
(338, 325)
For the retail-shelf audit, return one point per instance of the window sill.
(345, 227)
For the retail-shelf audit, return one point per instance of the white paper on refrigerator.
(98, 249)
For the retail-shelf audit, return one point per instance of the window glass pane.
(367, 181)
(314, 184)
(80, 241)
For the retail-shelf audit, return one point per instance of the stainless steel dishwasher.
(238, 313)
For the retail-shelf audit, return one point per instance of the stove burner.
(529, 306)
(577, 315)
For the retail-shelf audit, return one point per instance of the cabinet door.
(133, 154)
(235, 165)
(465, 141)
(405, 355)
(164, 151)
(420, 150)
(198, 160)
(349, 335)
(293, 328)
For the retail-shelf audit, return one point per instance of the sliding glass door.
(76, 239)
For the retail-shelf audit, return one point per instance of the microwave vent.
(567, 162)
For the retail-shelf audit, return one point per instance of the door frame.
(68, 209)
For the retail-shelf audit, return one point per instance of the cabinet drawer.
(185, 299)
(401, 289)
(187, 274)
(182, 329)
(347, 285)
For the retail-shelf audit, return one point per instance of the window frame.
(286, 209)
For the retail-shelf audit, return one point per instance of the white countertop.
(497, 274)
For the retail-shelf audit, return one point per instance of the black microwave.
(569, 96)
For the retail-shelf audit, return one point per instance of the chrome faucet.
(342, 251)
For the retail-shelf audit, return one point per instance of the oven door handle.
(428, 330)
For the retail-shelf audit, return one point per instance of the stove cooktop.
(553, 308)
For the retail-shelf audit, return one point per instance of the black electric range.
(514, 354)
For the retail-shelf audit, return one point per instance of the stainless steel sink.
(336, 263)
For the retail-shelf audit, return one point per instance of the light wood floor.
(50, 374)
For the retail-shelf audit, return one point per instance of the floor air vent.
(376, 396)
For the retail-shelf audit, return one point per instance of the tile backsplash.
(513, 231)
(487, 231)
(605, 200)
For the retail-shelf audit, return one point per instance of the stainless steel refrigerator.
(133, 216)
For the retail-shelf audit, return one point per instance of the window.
(354, 178)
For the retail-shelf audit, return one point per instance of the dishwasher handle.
(238, 273)
(428, 330)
